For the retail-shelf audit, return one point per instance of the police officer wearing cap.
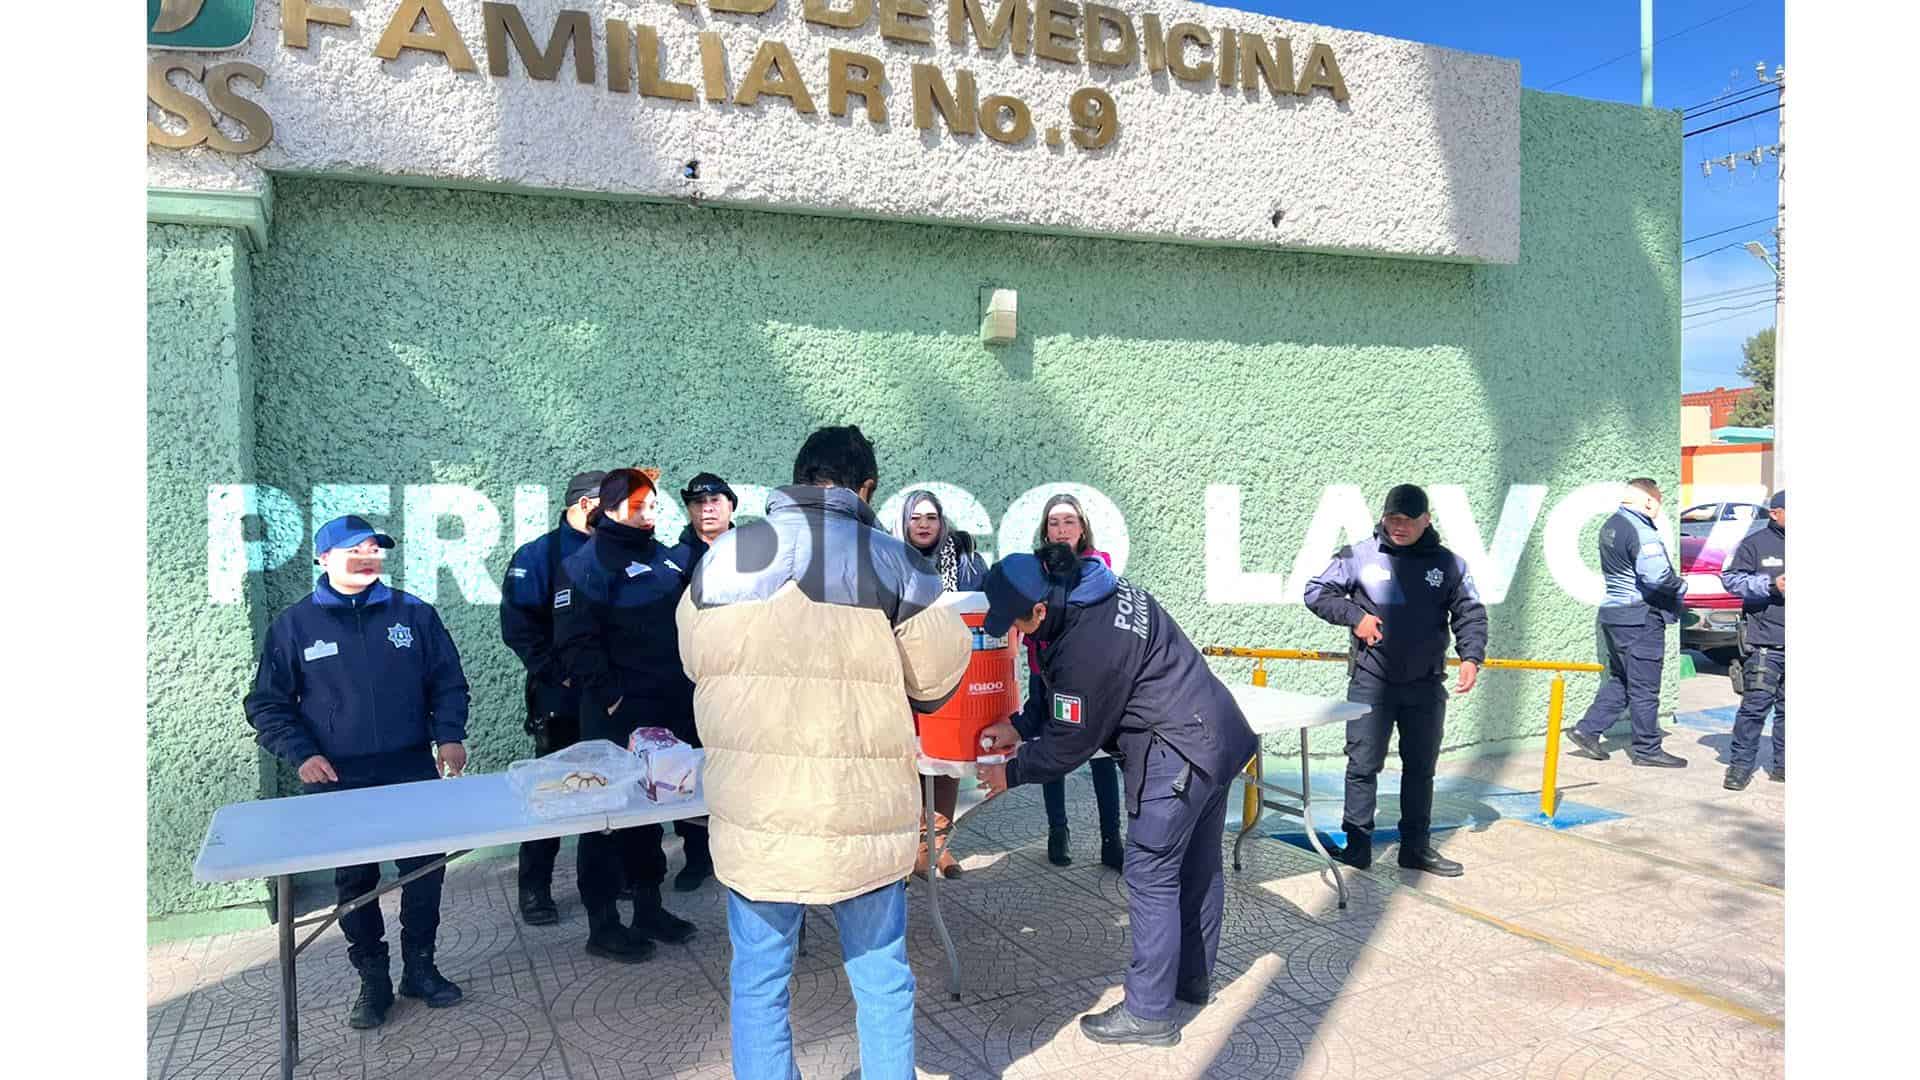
(710, 505)
(1757, 574)
(1402, 592)
(1643, 595)
(614, 629)
(553, 705)
(1118, 674)
(357, 684)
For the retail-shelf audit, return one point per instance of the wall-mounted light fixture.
(997, 322)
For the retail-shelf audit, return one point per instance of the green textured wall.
(410, 336)
(200, 393)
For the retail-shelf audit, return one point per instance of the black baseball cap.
(1406, 499)
(708, 484)
(584, 485)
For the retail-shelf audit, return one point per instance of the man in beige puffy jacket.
(811, 639)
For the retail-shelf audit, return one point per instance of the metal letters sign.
(199, 25)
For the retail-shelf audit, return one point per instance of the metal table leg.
(289, 987)
(1258, 801)
(933, 894)
(1306, 818)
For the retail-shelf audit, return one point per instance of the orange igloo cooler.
(987, 693)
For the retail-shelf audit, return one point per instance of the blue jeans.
(873, 942)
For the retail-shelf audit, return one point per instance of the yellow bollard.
(1550, 771)
(1250, 804)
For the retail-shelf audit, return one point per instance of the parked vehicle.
(1708, 534)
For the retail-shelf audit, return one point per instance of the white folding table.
(1269, 711)
(278, 838)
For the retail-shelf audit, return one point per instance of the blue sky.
(1554, 41)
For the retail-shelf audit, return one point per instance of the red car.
(1708, 535)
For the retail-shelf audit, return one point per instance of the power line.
(1659, 41)
(1725, 96)
(1709, 311)
(1729, 294)
(1723, 232)
(1751, 95)
(1716, 251)
(1711, 322)
(1724, 123)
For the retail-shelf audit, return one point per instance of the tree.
(1756, 407)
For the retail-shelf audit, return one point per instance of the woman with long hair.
(1063, 521)
(951, 551)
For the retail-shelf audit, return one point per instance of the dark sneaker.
(421, 979)
(1117, 1025)
(1113, 854)
(1057, 839)
(1737, 778)
(609, 940)
(1661, 760)
(537, 907)
(1431, 861)
(1779, 775)
(1587, 746)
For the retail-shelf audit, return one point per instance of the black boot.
(537, 907)
(1777, 774)
(1057, 839)
(419, 978)
(1113, 854)
(652, 920)
(1737, 778)
(609, 940)
(370, 1005)
(1660, 759)
(1118, 1025)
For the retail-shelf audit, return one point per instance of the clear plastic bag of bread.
(595, 776)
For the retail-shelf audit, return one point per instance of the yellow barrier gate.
(1556, 704)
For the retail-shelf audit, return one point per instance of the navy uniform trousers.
(365, 928)
(1634, 654)
(1175, 884)
(1420, 712)
(1765, 675)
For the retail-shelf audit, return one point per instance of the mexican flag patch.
(1066, 709)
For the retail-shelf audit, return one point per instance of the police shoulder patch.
(562, 599)
(517, 571)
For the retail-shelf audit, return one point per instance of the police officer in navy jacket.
(358, 683)
(1757, 574)
(614, 628)
(553, 705)
(1644, 590)
(1402, 593)
(1119, 675)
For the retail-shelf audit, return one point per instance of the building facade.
(1252, 294)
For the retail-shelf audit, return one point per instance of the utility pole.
(1646, 54)
(1778, 264)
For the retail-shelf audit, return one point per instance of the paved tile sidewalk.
(1662, 958)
